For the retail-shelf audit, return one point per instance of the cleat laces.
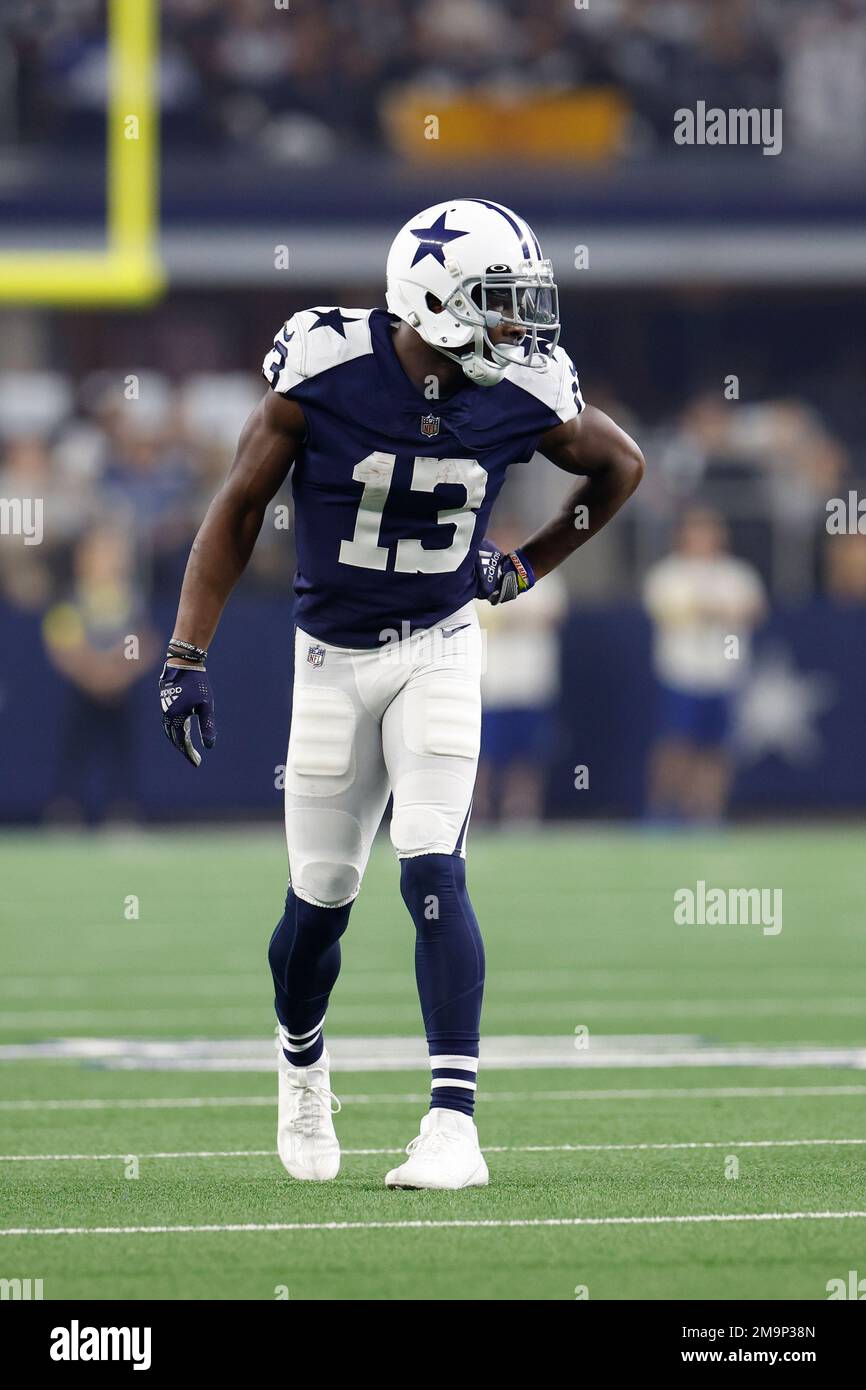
(313, 1103)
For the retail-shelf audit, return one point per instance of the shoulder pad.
(558, 388)
(313, 341)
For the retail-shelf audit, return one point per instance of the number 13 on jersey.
(376, 474)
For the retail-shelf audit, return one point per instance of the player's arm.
(611, 466)
(221, 550)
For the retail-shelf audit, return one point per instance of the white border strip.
(423, 1098)
(487, 1148)
(511, 1224)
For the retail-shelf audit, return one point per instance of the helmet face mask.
(462, 272)
(527, 300)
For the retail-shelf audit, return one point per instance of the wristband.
(186, 651)
(525, 573)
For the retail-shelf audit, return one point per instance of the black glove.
(185, 692)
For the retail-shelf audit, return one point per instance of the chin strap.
(482, 373)
(479, 368)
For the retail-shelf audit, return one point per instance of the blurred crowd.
(309, 79)
(121, 469)
(133, 456)
(124, 466)
(139, 456)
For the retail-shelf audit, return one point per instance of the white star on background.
(776, 711)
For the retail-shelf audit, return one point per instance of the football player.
(397, 427)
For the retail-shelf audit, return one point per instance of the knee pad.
(326, 855)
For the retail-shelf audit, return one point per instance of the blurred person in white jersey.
(520, 687)
(704, 604)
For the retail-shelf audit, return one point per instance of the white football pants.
(403, 718)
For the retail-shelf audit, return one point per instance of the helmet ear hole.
(433, 304)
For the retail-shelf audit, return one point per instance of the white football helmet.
(458, 270)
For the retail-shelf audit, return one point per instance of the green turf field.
(594, 1169)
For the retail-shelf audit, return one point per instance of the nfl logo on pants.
(316, 656)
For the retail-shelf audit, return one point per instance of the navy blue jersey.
(393, 491)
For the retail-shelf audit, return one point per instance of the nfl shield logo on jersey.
(429, 425)
(316, 656)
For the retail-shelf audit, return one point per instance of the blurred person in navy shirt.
(101, 641)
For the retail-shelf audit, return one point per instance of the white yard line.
(423, 1097)
(517, 1222)
(349, 1053)
(511, 1052)
(729, 1144)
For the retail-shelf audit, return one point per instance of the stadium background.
(293, 143)
(301, 132)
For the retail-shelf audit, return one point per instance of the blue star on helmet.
(433, 240)
(331, 318)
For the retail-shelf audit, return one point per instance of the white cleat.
(306, 1140)
(444, 1157)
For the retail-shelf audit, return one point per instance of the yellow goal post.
(128, 269)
